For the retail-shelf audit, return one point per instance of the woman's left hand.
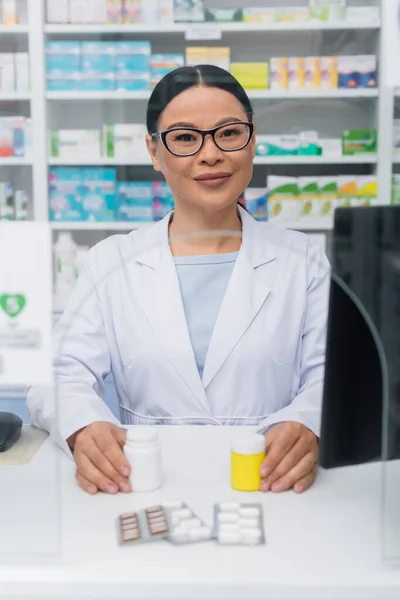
(292, 458)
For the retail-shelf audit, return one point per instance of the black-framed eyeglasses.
(186, 141)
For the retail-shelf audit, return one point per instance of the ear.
(151, 144)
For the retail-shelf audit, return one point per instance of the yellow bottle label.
(245, 471)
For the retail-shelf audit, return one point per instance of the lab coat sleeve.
(306, 406)
(81, 361)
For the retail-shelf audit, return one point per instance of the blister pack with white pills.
(184, 526)
(238, 523)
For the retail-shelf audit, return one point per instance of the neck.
(187, 222)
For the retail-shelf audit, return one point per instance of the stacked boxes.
(252, 76)
(132, 65)
(14, 72)
(204, 55)
(291, 198)
(162, 64)
(96, 195)
(98, 66)
(323, 72)
(113, 12)
(13, 203)
(15, 137)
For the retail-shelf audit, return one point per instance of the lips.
(213, 179)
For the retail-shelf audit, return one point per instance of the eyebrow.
(220, 122)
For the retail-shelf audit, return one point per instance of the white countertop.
(323, 544)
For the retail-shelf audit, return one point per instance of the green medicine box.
(359, 141)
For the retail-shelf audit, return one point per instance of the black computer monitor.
(363, 344)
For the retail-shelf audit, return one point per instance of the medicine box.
(98, 56)
(255, 200)
(7, 208)
(115, 12)
(366, 71)
(329, 72)
(132, 11)
(7, 72)
(162, 64)
(347, 69)
(312, 72)
(99, 194)
(6, 136)
(132, 56)
(309, 143)
(283, 198)
(9, 10)
(259, 15)
(309, 196)
(328, 190)
(125, 141)
(277, 145)
(134, 201)
(22, 83)
(290, 14)
(297, 73)
(252, 76)
(278, 73)
(66, 195)
(188, 11)
(57, 11)
(163, 200)
(149, 12)
(359, 141)
(76, 143)
(224, 15)
(63, 57)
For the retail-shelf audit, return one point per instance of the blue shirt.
(203, 281)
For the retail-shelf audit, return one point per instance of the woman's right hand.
(100, 460)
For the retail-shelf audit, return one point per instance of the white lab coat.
(265, 362)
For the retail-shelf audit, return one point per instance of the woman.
(222, 328)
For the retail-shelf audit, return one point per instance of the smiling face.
(211, 179)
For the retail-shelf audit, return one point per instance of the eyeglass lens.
(230, 137)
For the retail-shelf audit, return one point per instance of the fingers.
(303, 469)
(101, 463)
(88, 472)
(278, 446)
(287, 463)
(111, 443)
(85, 484)
(100, 460)
(305, 483)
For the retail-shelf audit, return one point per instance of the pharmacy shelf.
(97, 162)
(122, 95)
(316, 160)
(396, 160)
(14, 29)
(253, 94)
(15, 162)
(259, 160)
(310, 224)
(12, 96)
(97, 225)
(238, 27)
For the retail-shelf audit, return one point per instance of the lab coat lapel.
(161, 300)
(247, 291)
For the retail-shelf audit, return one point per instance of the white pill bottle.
(143, 451)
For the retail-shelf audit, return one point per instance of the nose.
(210, 153)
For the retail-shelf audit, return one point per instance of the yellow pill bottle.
(248, 453)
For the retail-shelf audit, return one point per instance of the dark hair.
(182, 79)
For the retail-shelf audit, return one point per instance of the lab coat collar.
(255, 242)
(162, 303)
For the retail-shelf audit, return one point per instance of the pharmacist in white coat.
(226, 328)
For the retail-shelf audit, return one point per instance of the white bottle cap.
(253, 443)
(141, 435)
